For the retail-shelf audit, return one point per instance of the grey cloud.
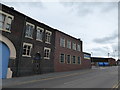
(107, 39)
(85, 8)
(28, 4)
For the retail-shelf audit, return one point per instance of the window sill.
(26, 56)
(5, 30)
(48, 42)
(46, 58)
(29, 37)
(39, 40)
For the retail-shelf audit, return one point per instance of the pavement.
(97, 77)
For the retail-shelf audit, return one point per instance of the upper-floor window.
(5, 21)
(39, 35)
(78, 48)
(74, 46)
(47, 53)
(27, 49)
(62, 58)
(48, 35)
(29, 30)
(62, 42)
(68, 44)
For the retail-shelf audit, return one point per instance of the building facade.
(99, 61)
(30, 47)
(69, 53)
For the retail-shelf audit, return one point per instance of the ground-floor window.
(79, 61)
(27, 49)
(68, 59)
(73, 59)
(47, 53)
(62, 58)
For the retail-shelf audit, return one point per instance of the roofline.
(12, 8)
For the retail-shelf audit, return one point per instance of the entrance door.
(4, 59)
(36, 66)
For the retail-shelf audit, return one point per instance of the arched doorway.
(36, 63)
(4, 59)
(7, 52)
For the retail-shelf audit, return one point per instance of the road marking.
(49, 78)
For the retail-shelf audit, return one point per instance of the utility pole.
(108, 54)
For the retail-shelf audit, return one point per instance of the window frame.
(6, 21)
(74, 46)
(62, 42)
(28, 44)
(80, 60)
(28, 23)
(69, 44)
(60, 58)
(46, 31)
(72, 59)
(79, 48)
(46, 48)
(42, 33)
(67, 59)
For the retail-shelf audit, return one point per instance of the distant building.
(30, 47)
(99, 61)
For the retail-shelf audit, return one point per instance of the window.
(5, 21)
(47, 53)
(69, 44)
(79, 61)
(78, 48)
(48, 36)
(62, 42)
(8, 25)
(29, 30)
(74, 60)
(39, 33)
(68, 59)
(27, 49)
(62, 58)
(74, 46)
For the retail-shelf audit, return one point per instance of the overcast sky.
(96, 23)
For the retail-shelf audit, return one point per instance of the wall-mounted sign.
(86, 56)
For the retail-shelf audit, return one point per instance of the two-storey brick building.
(30, 47)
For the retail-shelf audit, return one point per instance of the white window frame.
(42, 34)
(74, 46)
(68, 44)
(60, 58)
(62, 42)
(67, 59)
(45, 48)
(28, 44)
(78, 47)
(6, 21)
(27, 23)
(48, 42)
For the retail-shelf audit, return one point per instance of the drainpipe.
(21, 49)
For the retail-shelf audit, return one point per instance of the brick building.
(30, 47)
(99, 61)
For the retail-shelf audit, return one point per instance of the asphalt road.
(103, 77)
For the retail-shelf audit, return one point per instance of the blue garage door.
(4, 59)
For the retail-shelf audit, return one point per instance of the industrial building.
(30, 47)
(100, 61)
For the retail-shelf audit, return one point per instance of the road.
(101, 77)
